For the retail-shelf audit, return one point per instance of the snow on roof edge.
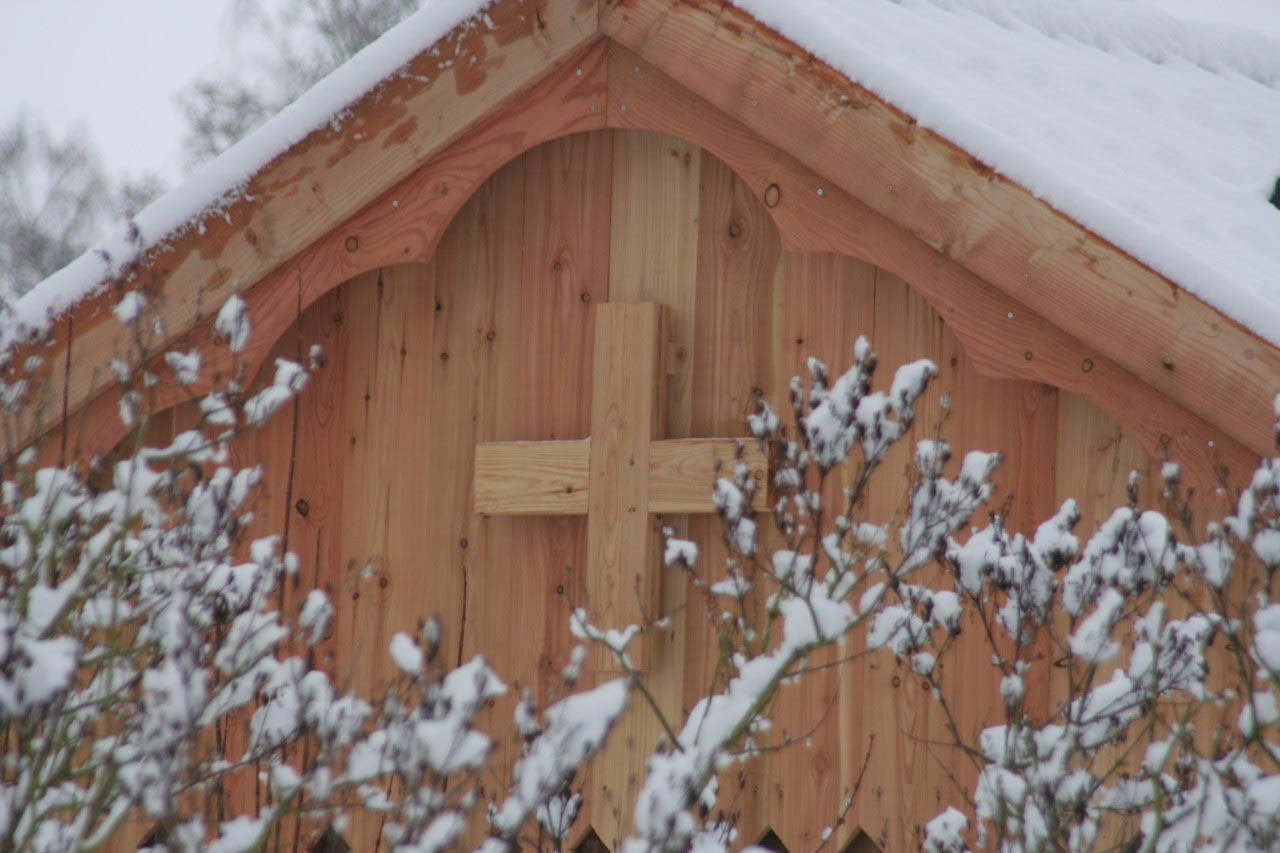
(872, 47)
(218, 183)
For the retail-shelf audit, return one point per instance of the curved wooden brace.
(1004, 338)
(404, 225)
(962, 208)
(441, 95)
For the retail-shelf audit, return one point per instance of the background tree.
(305, 39)
(55, 201)
(56, 197)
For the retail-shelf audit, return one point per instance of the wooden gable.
(450, 248)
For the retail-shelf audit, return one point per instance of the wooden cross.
(620, 477)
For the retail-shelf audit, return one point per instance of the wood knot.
(1086, 365)
(303, 508)
(353, 243)
(772, 195)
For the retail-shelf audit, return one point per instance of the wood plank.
(653, 252)
(551, 477)
(547, 276)
(477, 325)
(532, 477)
(627, 413)
(1002, 336)
(315, 517)
(269, 446)
(682, 472)
(385, 392)
(959, 206)
(739, 285)
(904, 778)
(331, 174)
(817, 721)
(1095, 457)
(652, 258)
(316, 514)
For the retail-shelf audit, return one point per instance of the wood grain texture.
(817, 722)
(547, 269)
(740, 289)
(385, 391)
(532, 477)
(321, 442)
(476, 335)
(652, 258)
(960, 207)
(331, 175)
(627, 412)
(682, 472)
(552, 477)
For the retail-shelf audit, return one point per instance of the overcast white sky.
(113, 67)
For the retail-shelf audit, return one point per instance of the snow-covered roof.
(1160, 135)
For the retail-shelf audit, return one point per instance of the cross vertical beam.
(622, 476)
(627, 414)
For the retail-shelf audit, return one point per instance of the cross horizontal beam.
(551, 477)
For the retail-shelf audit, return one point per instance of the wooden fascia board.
(1003, 337)
(446, 91)
(403, 225)
(959, 206)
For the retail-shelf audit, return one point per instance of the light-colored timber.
(628, 397)
(552, 477)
